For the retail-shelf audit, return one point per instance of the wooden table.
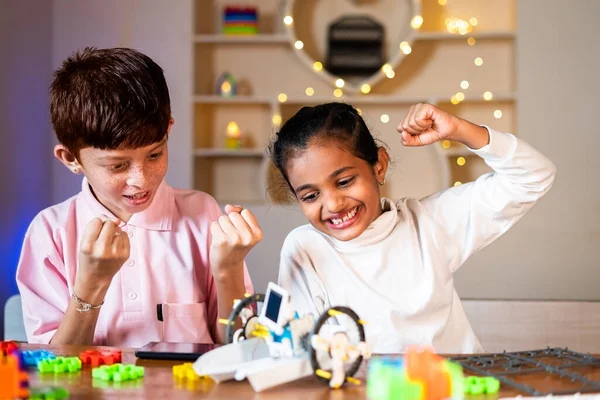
(159, 383)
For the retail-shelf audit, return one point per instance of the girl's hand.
(426, 124)
(233, 235)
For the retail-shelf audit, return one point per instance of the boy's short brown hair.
(109, 99)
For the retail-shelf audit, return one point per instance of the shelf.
(222, 152)
(278, 38)
(365, 99)
(476, 35)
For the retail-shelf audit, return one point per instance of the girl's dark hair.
(331, 121)
(109, 99)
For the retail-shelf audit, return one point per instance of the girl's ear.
(381, 166)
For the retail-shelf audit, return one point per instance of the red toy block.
(95, 358)
(14, 383)
(8, 347)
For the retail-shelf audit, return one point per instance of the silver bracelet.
(85, 307)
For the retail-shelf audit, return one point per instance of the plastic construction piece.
(32, 358)
(118, 372)
(14, 382)
(96, 358)
(476, 385)
(51, 393)
(186, 371)
(8, 347)
(60, 365)
(552, 363)
(418, 375)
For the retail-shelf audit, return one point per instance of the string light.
(339, 83)
(282, 97)
(464, 85)
(442, 2)
(416, 22)
(317, 66)
(478, 61)
(454, 100)
(460, 96)
(384, 118)
(473, 21)
(457, 183)
(338, 93)
(309, 91)
(390, 74)
(446, 144)
(288, 20)
(365, 88)
(276, 119)
(457, 25)
(405, 47)
(299, 44)
(461, 161)
(471, 41)
(487, 96)
(498, 114)
(359, 111)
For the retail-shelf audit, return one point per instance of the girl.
(392, 261)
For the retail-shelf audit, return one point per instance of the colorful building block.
(418, 375)
(96, 358)
(50, 393)
(8, 347)
(240, 20)
(118, 372)
(14, 382)
(476, 385)
(186, 371)
(60, 365)
(32, 358)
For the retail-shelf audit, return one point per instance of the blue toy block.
(31, 358)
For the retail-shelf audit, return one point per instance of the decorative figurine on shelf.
(278, 346)
(226, 85)
(240, 20)
(233, 139)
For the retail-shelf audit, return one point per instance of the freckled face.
(125, 181)
(337, 191)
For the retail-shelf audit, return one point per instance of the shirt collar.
(157, 217)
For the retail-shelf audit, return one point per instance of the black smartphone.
(174, 351)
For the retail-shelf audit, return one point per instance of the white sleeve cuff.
(501, 146)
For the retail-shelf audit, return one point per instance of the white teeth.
(138, 196)
(352, 213)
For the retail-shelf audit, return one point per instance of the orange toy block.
(14, 383)
(430, 369)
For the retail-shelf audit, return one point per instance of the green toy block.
(118, 372)
(52, 393)
(476, 385)
(59, 365)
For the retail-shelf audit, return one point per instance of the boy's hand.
(104, 248)
(426, 124)
(233, 235)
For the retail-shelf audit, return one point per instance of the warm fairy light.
(442, 2)
(457, 25)
(359, 111)
(405, 47)
(473, 21)
(282, 97)
(339, 83)
(446, 144)
(386, 68)
(471, 41)
(233, 130)
(460, 96)
(309, 91)
(390, 74)
(288, 20)
(299, 44)
(338, 93)
(461, 161)
(276, 119)
(226, 87)
(457, 183)
(317, 66)
(488, 96)
(454, 100)
(365, 88)
(498, 114)
(416, 22)
(464, 85)
(478, 61)
(384, 118)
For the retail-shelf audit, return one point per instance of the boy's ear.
(67, 158)
(381, 166)
(171, 122)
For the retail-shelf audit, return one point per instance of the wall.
(25, 133)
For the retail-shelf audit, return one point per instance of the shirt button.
(130, 263)
(132, 295)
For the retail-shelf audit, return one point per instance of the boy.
(126, 261)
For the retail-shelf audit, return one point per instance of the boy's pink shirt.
(168, 265)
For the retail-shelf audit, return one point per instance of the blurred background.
(236, 71)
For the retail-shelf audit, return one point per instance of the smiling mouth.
(349, 215)
(137, 196)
